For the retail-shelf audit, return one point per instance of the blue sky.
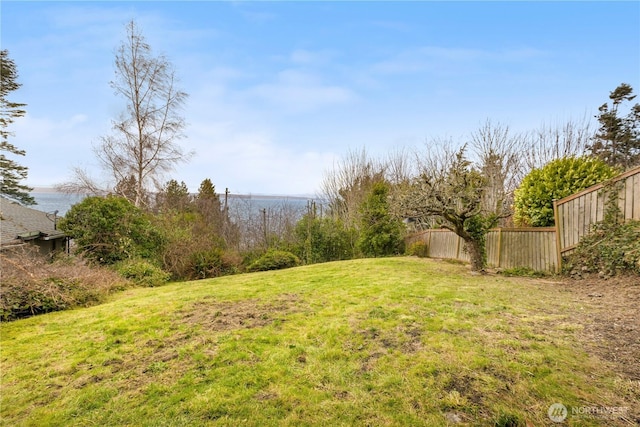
(280, 91)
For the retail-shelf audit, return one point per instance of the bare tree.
(552, 141)
(452, 192)
(143, 144)
(82, 183)
(347, 185)
(500, 161)
(398, 166)
(264, 224)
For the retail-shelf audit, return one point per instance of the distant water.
(52, 201)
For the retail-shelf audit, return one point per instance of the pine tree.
(10, 170)
(617, 141)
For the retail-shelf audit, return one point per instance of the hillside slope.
(392, 341)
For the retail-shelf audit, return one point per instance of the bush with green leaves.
(111, 229)
(142, 272)
(274, 260)
(213, 262)
(560, 178)
(381, 234)
(323, 239)
(612, 248)
(419, 249)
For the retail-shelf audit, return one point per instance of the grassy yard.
(393, 341)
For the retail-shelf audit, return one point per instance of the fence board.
(574, 220)
(636, 198)
(506, 248)
(542, 248)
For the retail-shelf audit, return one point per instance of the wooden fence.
(506, 247)
(576, 214)
(542, 248)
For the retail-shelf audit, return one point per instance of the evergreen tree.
(174, 197)
(617, 142)
(10, 170)
(380, 233)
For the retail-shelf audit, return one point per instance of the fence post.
(499, 248)
(556, 216)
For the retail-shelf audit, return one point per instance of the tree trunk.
(476, 253)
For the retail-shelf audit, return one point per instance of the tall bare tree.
(347, 185)
(553, 141)
(11, 172)
(499, 159)
(143, 144)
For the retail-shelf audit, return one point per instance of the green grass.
(393, 341)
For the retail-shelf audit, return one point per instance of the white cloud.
(296, 91)
(54, 146)
(434, 58)
(251, 161)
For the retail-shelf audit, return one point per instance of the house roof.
(19, 223)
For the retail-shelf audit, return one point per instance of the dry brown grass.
(33, 284)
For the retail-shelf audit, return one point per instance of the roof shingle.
(17, 220)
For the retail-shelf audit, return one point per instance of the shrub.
(213, 263)
(142, 272)
(323, 239)
(560, 178)
(33, 285)
(380, 233)
(610, 249)
(110, 229)
(613, 245)
(419, 249)
(274, 260)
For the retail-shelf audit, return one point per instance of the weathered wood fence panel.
(506, 247)
(576, 214)
(542, 248)
(522, 247)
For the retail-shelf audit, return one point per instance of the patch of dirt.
(244, 314)
(466, 386)
(612, 324)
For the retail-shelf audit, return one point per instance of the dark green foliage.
(477, 227)
(419, 249)
(11, 172)
(197, 232)
(559, 178)
(208, 206)
(274, 260)
(174, 196)
(213, 262)
(617, 141)
(380, 233)
(612, 248)
(142, 272)
(111, 229)
(323, 239)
